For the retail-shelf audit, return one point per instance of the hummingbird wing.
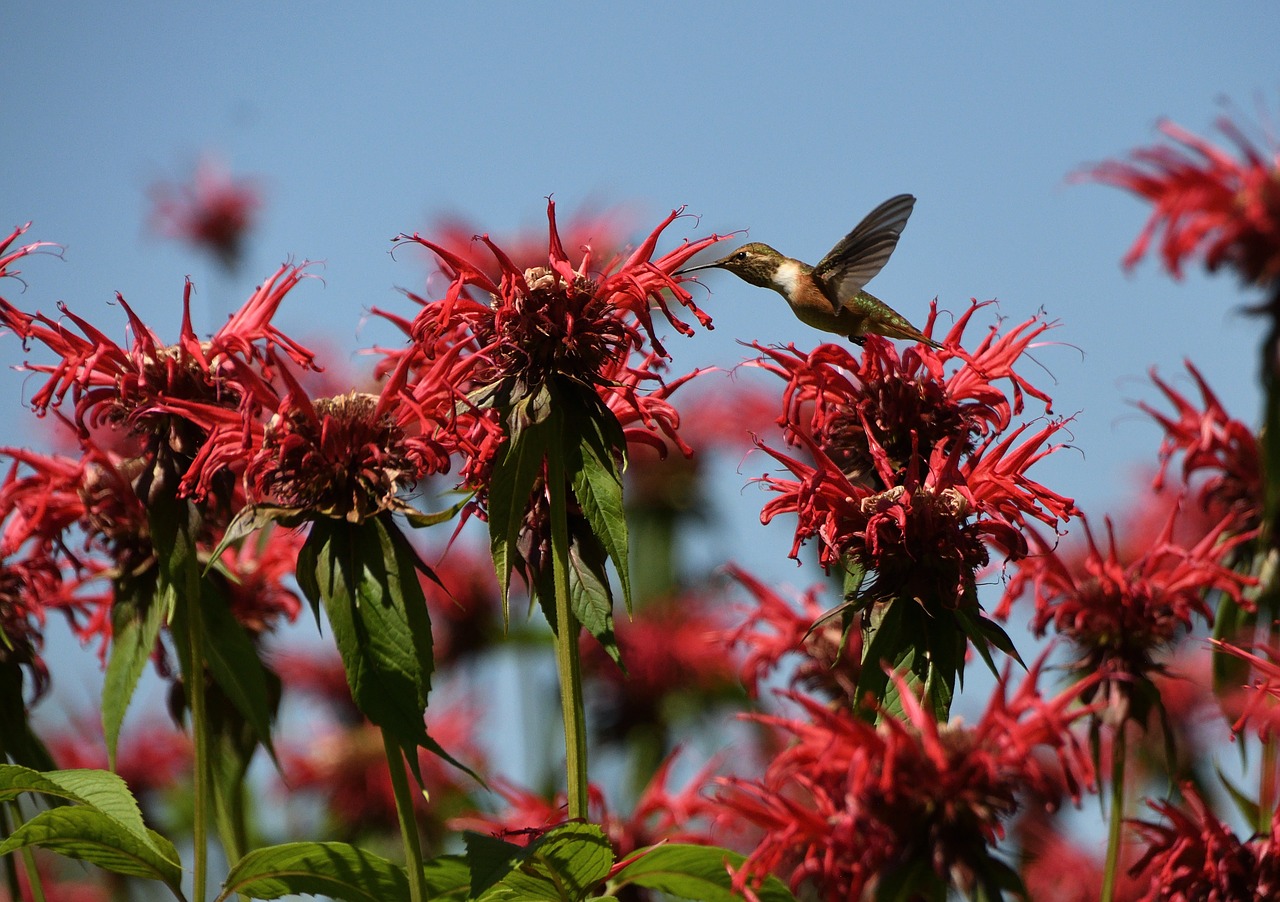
(858, 256)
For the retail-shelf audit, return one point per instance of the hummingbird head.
(755, 263)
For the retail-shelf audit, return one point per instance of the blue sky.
(790, 120)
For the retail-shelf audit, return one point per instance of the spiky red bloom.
(1120, 614)
(213, 211)
(1257, 705)
(1193, 856)
(775, 628)
(81, 519)
(1208, 203)
(71, 525)
(1211, 443)
(915, 469)
(850, 803)
(589, 325)
(25, 588)
(161, 393)
(9, 257)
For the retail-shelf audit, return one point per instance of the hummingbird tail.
(903, 330)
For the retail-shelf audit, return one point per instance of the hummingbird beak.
(688, 269)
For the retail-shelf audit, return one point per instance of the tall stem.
(1269, 596)
(1115, 832)
(408, 823)
(200, 739)
(567, 662)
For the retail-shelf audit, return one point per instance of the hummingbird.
(829, 296)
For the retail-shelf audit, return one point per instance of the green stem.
(567, 662)
(1270, 530)
(200, 739)
(33, 875)
(1115, 831)
(11, 863)
(229, 803)
(408, 823)
(1267, 787)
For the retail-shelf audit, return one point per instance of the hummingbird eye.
(740, 255)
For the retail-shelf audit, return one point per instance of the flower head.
(775, 628)
(1193, 855)
(915, 469)
(1209, 204)
(851, 802)
(1121, 614)
(1213, 443)
(555, 323)
(1257, 705)
(171, 397)
(213, 210)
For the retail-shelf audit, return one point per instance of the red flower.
(8, 257)
(604, 232)
(171, 396)
(850, 802)
(26, 586)
(1196, 856)
(213, 211)
(1211, 442)
(774, 628)
(1120, 614)
(914, 470)
(529, 329)
(1207, 203)
(1256, 704)
(45, 501)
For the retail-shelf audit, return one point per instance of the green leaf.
(98, 789)
(252, 517)
(592, 445)
(565, 863)
(911, 881)
(940, 664)
(307, 570)
(89, 834)
(700, 873)
(136, 617)
(418, 520)
(488, 859)
(232, 659)
(447, 878)
(881, 645)
(589, 595)
(366, 575)
(1247, 807)
(1232, 623)
(516, 473)
(330, 869)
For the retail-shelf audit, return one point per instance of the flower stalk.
(408, 824)
(568, 663)
(197, 699)
(1115, 826)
